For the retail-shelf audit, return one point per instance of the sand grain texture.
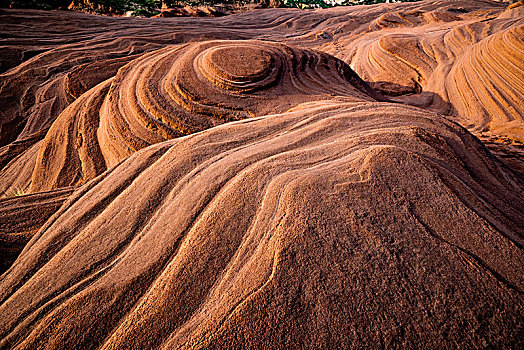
(341, 178)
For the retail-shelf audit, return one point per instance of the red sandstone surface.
(342, 178)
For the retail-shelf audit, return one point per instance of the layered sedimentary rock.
(231, 183)
(23, 216)
(185, 89)
(333, 225)
(487, 83)
(453, 59)
(180, 90)
(461, 58)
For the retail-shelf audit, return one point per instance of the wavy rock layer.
(22, 217)
(180, 90)
(240, 188)
(462, 58)
(219, 240)
(491, 73)
(185, 89)
(453, 59)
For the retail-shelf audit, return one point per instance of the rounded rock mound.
(180, 90)
(240, 68)
(335, 225)
(183, 89)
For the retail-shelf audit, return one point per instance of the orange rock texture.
(341, 178)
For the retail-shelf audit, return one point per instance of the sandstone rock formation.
(181, 90)
(454, 58)
(234, 183)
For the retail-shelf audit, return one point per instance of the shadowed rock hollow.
(228, 183)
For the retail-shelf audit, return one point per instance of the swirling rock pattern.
(185, 89)
(180, 90)
(452, 60)
(231, 183)
(22, 217)
(415, 52)
(218, 240)
(488, 80)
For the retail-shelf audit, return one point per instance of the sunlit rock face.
(273, 179)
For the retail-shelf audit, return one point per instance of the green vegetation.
(35, 4)
(16, 192)
(114, 7)
(146, 8)
(304, 4)
(151, 7)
